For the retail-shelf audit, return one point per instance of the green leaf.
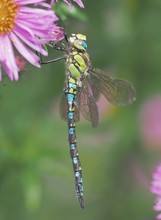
(63, 11)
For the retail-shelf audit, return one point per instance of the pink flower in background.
(156, 189)
(27, 29)
(79, 2)
(21, 63)
(150, 122)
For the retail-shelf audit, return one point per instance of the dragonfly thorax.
(77, 60)
(78, 63)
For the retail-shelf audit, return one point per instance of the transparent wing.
(117, 91)
(87, 105)
(95, 92)
(63, 109)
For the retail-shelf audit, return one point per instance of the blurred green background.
(118, 157)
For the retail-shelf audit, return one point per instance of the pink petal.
(35, 46)
(158, 217)
(10, 61)
(24, 51)
(26, 2)
(80, 3)
(0, 73)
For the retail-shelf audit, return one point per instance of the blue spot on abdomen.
(72, 146)
(70, 98)
(71, 131)
(70, 115)
(75, 160)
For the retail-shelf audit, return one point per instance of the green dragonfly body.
(83, 85)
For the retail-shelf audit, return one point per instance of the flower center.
(8, 11)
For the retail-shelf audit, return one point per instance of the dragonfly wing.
(94, 90)
(117, 91)
(87, 105)
(63, 109)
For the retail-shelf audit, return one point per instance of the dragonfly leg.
(49, 61)
(57, 47)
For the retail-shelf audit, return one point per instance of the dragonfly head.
(78, 41)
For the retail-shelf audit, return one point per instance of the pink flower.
(79, 2)
(21, 63)
(156, 189)
(25, 28)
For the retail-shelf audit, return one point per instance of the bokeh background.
(118, 157)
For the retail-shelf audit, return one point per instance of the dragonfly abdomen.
(71, 91)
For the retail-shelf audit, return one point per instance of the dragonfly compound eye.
(80, 44)
(78, 41)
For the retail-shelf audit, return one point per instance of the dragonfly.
(82, 88)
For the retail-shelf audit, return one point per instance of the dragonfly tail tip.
(81, 202)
